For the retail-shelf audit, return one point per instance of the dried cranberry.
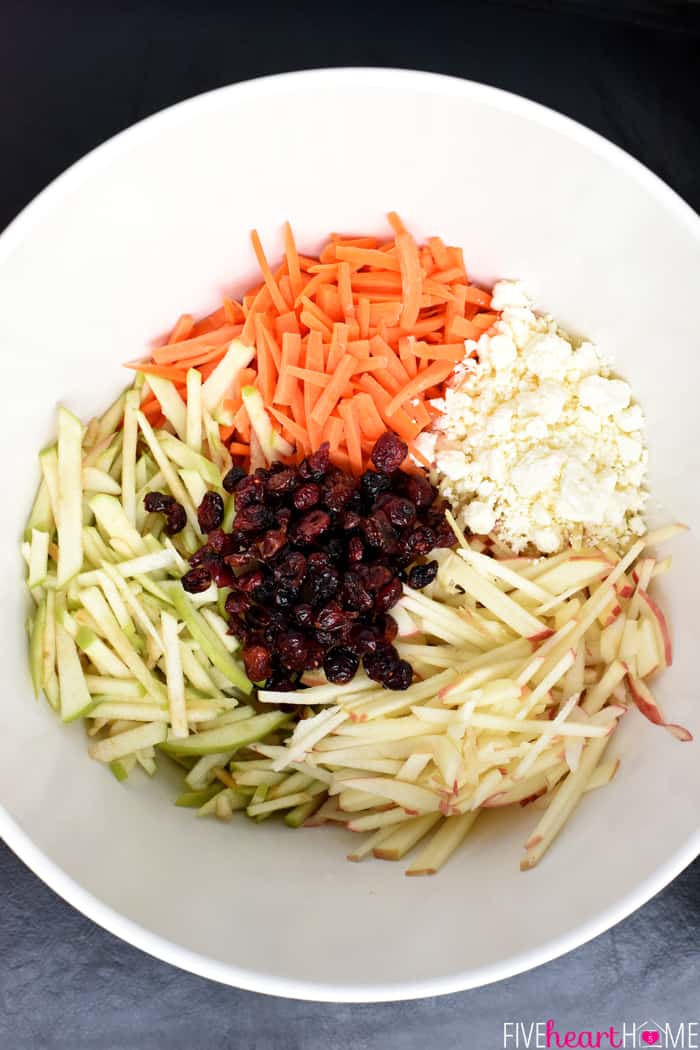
(281, 682)
(418, 489)
(307, 496)
(375, 576)
(292, 650)
(283, 516)
(304, 615)
(220, 572)
(381, 662)
(258, 662)
(318, 561)
(249, 490)
(219, 542)
(341, 665)
(363, 639)
(421, 575)
(400, 512)
(314, 655)
(291, 568)
(379, 533)
(314, 467)
(285, 597)
(249, 581)
(231, 479)
(271, 543)
(196, 580)
(238, 628)
(210, 512)
(389, 452)
(236, 604)
(388, 596)
(336, 494)
(320, 586)
(356, 549)
(399, 677)
(281, 482)
(373, 485)
(351, 520)
(254, 518)
(309, 528)
(420, 541)
(176, 519)
(157, 502)
(354, 593)
(386, 628)
(331, 617)
(266, 592)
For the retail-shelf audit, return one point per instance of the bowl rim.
(15, 836)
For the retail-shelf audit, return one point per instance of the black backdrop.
(72, 74)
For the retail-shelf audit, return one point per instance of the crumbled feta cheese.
(537, 442)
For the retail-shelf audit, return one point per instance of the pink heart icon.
(650, 1038)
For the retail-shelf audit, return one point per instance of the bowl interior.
(156, 223)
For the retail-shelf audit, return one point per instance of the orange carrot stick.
(338, 347)
(427, 377)
(345, 291)
(272, 286)
(293, 265)
(173, 352)
(353, 438)
(411, 279)
(286, 384)
(308, 375)
(267, 372)
(477, 296)
(329, 398)
(406, 355)
(177, 375)
(183, 328)
(396, 224)
(293, 429)
(439, 351)
(371, 423)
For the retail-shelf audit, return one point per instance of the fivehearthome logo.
(628, 1035)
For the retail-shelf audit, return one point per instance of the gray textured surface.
(66, 984)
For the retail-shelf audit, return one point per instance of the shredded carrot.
(183, 328)
(272, 286)
(178, 375)
(293, 265)
(439, 351)
(291, 348)
(411, 279)
(308, 375)
(348, 344)
(173, 352)
(427, 377)
(371, 423)
(353, 439)
(484, 321)
(338, 347)
(238, 448)
(242, 423)
(329, 398)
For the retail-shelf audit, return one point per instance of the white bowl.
(156, 222)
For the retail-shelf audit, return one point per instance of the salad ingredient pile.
(322, 556)
(363, 547)
(537, 441)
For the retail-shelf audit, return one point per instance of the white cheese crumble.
(537, 443)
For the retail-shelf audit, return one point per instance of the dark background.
(73, 74)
